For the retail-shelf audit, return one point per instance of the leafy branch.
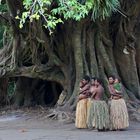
(66, 9)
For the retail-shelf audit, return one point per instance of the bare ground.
(32, 124)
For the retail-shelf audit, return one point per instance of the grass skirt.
(118, 114)
(98, 115)
(81, 114)
(88, 105)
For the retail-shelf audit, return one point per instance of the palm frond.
(103, 8)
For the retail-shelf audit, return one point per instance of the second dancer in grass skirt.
(98, 116)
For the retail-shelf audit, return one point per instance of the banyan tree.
(49, 45)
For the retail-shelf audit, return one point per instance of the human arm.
(85, 88)
(117, 91)
(93, 93)
(111, 90)
(81, 84)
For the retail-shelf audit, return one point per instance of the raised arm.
(86, 87)
(93, 93)
(81, 84)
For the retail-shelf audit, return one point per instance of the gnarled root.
(66, 117)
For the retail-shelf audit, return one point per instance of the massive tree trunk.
(75, 49)
(3, 91)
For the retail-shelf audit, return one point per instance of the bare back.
(92, 89)
(98, 92)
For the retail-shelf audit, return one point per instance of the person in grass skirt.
(81, 108)
(118, 111)
(98, 112)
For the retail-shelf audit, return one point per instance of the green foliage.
(3, 8)
(103, 8)
(1, 36)
(66, 9)
(72, 9)
(37, 9)
(11, 88)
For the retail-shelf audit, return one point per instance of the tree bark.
(74, 50)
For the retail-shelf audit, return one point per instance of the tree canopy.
(57, 11)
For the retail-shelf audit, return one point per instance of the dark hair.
(112, 76)
(99, 80)
(118, 79)
(93, 78)
(87, 78)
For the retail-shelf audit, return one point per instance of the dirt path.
(30, 127)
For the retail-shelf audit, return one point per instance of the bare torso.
(98, 92)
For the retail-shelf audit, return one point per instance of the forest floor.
(32, 124)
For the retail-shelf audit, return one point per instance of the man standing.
(118, 110)
(99, 110)
(81, 109)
